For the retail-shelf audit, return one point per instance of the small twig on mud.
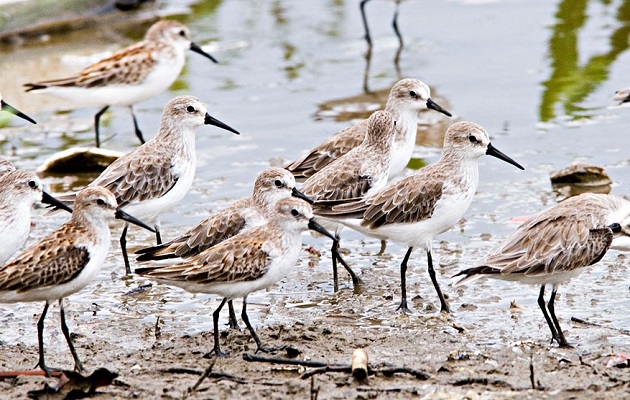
(289, 361)
(139, 289)
(216, 375)
(314, 391)
(15, 374)
(482, 381)
(205, 374)
(322, 367)
(178, 370)
(375, 389)
(327, 368)
(389, 371)
(581, 321)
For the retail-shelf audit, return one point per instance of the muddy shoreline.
(161, 359)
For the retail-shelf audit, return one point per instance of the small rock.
(580, 178)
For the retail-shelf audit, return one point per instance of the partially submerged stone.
(580, 178)
(78, 160)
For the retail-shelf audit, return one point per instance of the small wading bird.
(272, 185)
(252, 260)
(155, 176)
(554, 245)
(19, 190)
(417, 208)
(64, 262)
(405, 101)
(359, 172)
(129, 76)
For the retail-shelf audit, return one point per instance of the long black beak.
(300, 195)
(492, 151)
(48, 199)
(7, 107)
(313, 225)
(615, 227)
(435, 106)
(195, 47)
(120, 214)
(213, 121)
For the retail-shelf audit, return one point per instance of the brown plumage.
(406, 98)
(554, 245)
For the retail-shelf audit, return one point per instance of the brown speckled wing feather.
(130, 65)
(334, 183)
(235, 260)
(209, 232)
(408, 200)
(328, 151)
(138, 176)
(557, 244)
(52, 261)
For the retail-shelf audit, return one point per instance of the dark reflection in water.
(570, 83)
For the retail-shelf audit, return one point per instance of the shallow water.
(538, 75)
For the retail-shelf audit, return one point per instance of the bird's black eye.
(413, 94)
(190, 109)
(100, 202)
(32, 184)
(182, 33)
(472, 139)
(295, 212)
(278, 183)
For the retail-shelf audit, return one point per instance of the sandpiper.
(157, 175)
(406, 98)
(129, 76)
(65, 261)
(19, 190)
(419, 207)
(554, 245)
(271, 185)
(360, 172)
(252, 260)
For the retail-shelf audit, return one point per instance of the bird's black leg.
(562, 341)
(215, 319)
(368, 38)
(64, 328)
(97, 121)
(158, 235)
(259, 346)
(543, 308)
(395, 26)
(123, 248)
(334, 254)
(232, 322)
(136, 127)
(40, 338)
(443, 304)
(356, 281)
(383, 248)
(403, 283)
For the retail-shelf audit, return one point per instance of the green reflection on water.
(416, 163)
(570, 83)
